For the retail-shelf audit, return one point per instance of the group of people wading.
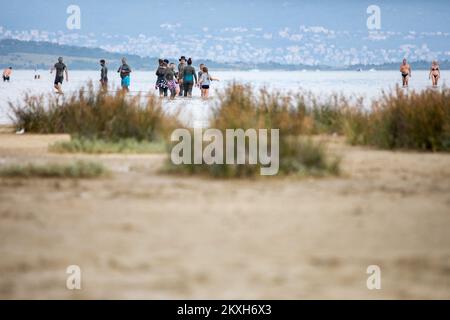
(406, 71)
(180, 80)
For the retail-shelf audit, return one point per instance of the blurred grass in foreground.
(99, 146)
(403, 120)
(94, 114)
(238, 107)
(114, 123)
(78, 169)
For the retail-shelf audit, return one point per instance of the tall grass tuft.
(405, 120)
(239, 107)
(96, 115)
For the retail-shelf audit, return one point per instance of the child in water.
(171, 80)
(205, 82)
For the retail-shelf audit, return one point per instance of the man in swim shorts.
(405, 69)
(61, 69)
(125, 71)
(7, 74)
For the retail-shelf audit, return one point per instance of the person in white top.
(205, 82)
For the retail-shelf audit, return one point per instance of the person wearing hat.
(181, 67)
(61, 69)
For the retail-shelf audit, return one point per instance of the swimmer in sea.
(7, 74)
(104, 75)
(189, 78)
(435, 73)
(171, 80)
(205, 82)
(161, 82)
(61, 69)
(125, 72)
(181, 66)
(405, 69)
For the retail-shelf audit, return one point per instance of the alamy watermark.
(235, 148)
(374, 19)
(73, 21)
(374, 280)
(73, 281)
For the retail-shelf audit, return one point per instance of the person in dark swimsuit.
(405, 69)
(161, 82)
(104, 75)
(61, 69)
(435, 73)
(7, 74)
(181, 66)
(189, 77)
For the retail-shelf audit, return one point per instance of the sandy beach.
(142, 234)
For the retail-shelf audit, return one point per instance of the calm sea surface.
(323, 83)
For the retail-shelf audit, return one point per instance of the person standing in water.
(435, 73)
(188, 76)
(181, 67)
(161, 82)
(200, 70)
(37, 76)
(205, 82)
(104, 75)
(125, 71)
(61, 69)
(7, 74)
(405, 69)
(172, 81)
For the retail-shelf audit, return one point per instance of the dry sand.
(141, 234)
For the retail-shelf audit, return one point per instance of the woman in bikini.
(435, 73)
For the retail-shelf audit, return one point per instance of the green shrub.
(238, 107)
(98, 146)
(411, 120)
(78, 169)
(95, 114)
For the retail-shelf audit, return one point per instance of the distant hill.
(42, 55)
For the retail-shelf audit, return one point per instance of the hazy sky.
(291, 31)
